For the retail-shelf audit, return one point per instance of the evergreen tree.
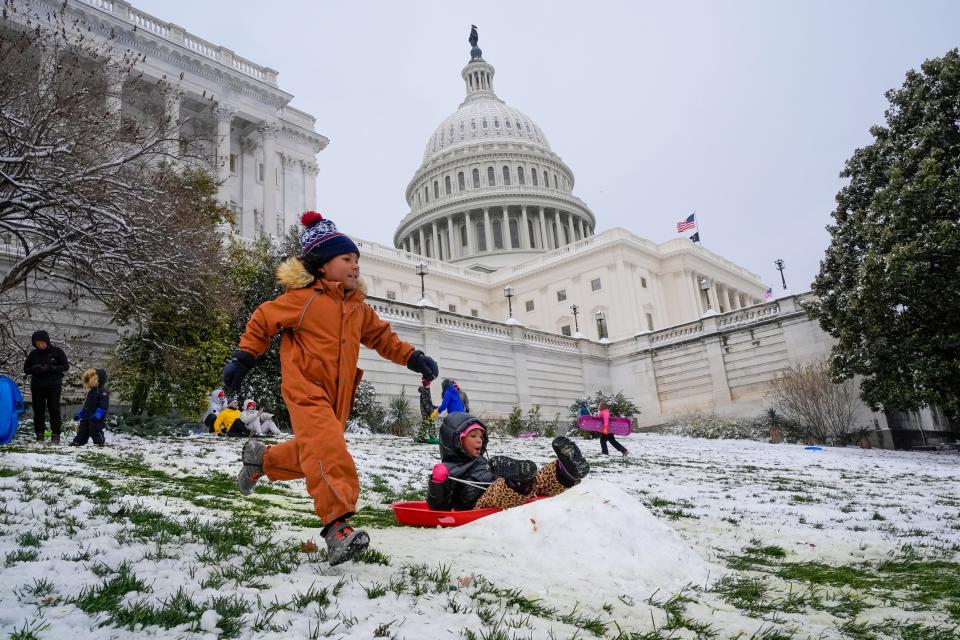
(889, 285)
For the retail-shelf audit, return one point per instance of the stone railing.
(747, 315)
(679, 332)
(124, 11)
(551, 341)
(479, 327)
(394, 312)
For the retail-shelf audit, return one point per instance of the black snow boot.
(518, 474)
(570, 457)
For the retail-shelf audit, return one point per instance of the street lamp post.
(601, 325)
(575, 309)
(779, 263)
(508, 294)
(422, 271)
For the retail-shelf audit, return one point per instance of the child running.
(466, 479)
(323, 320)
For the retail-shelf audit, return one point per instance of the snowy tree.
(889, 285)
(89, 203)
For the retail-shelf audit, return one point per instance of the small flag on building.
(689, 223)
(695, 237)
(768, 294)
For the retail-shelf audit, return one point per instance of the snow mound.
(594, 538)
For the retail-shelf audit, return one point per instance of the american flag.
(768, 294)
(689, 223)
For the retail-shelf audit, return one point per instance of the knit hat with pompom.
(321, 238)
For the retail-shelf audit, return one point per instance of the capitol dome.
(490, 192)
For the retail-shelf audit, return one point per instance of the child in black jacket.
(93, 415)
(467, 479)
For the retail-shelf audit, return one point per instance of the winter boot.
(518, 474)
(344, 542)
(570, 457)
(440, 489)
(252, 470)
(55, 439)
(40, 438)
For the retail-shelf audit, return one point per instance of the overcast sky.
(741, 111)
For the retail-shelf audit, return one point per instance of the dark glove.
(423, 364)
(98, 414)
(237, 369)
(78, 416)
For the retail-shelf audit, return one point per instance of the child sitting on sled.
(467, 479)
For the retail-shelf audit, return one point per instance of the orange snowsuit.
(323, 328)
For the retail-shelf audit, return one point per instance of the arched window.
(473, 125)
(446, 185)
(555, 185)
(484, 123)
(476, 178)
(520, 177)
(507, 122)
(481, 236)
(461, 181)
(506, 175)
(534, 239)
(436, 189)
(426, 193)
(497, 234)
(546, 179)
(514, 235)
(491, 177)
(533, 175)
(496, 123)
(463, 235)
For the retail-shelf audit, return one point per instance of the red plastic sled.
(618, 426)
(418, 514)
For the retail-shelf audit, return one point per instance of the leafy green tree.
(889, 285)
(174, 342)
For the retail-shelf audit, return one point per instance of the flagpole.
(697, 220)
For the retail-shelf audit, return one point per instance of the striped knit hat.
(321, 238)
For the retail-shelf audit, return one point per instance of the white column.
(735, 304)
(171, 113)
(423, 248)
(524, 229)
(545, 239)
(570, 231)
(579, 229)
(505, 229)
(471, 235)
(487, 228)
(224, 117)
(115, 78)
(698, 294)
(436, 240)
(450, 245)
(269, 131)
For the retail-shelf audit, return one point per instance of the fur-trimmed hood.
(293, 274)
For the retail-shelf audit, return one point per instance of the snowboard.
(11, 406)
(618, 426)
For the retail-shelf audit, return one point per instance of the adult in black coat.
(45, 365)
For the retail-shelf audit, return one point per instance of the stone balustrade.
(122, 10)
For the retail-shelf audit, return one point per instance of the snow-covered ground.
(684, 538)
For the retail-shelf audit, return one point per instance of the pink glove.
(440, 473)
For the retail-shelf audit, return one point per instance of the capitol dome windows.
(484, 123)
(446, 185)
(546, 179)
(507, 122)
(473, 125)
(533, 176)
(461, 181)
(481, 236)
(476, 178)
(491, 177)
(514, 235)
(506, 175)
(496, 123)
(520, 177)
(436, 189)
